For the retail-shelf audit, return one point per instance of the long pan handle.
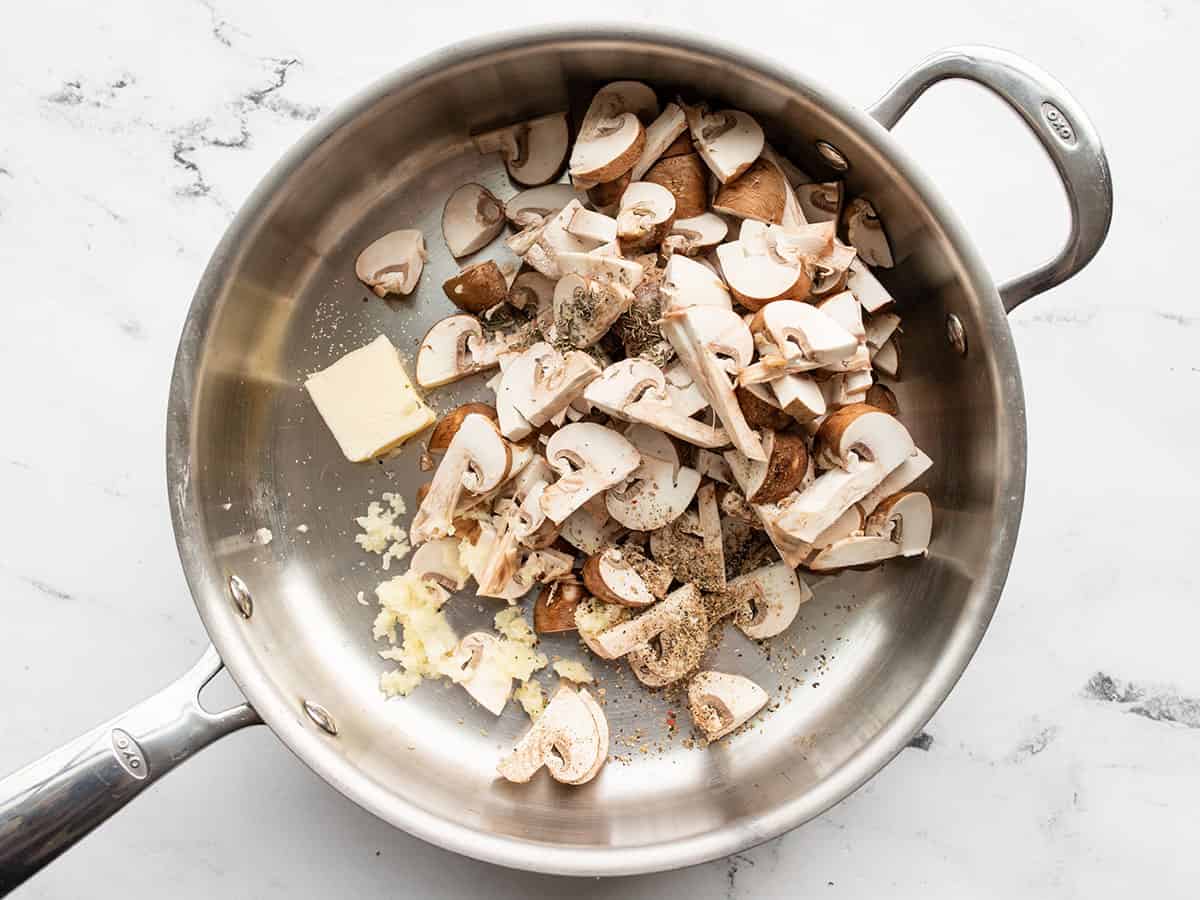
(52, 803)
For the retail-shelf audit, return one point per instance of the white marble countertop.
(1067, 761)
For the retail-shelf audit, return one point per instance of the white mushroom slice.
(760, 193)
(452, 349)
(645, 215)
(708, 340)
(533, 151)
(392, 264)
(535, 205)
(607, 149)
(887, 358)
(656, 494)
(831, 270)
(773, 596)
(544, 565)
(533, 293)
(570, 738)
(677, 606)
(757, 276)
(589, 458)
(712, 465)
(539, 384)
(439, 561)
(650, 441)
(687, 283)
(611, 578)
(859, 445)
(477, 460)
(906, 519)
(677, 649)
(820, 202)
(858, 361)
(695, 235)
(866, 287)
(634, 390)
(721, 703)
(584, 533)
(845, 309)
(660, 134)
(551, 240)
(880, 327)
(728, 141)
(800, 396)
(916, 465)
(856, 384)
(584, 309)
(866, 234)
(471, 219)
(483, 671)
(593, 226)
(848, 524)
(619, 97)
(856, 550)
(610, 269)
(799, 329)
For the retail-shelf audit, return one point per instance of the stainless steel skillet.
(869, 661)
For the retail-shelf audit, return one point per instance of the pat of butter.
(368, 402)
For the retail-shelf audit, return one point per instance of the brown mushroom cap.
(686, 177)
(882, 397)
(786, 467)
(554, 608)
(681, 146)
(759, 413)
(607, 194)
(478, 287)
(448, 425)
(758, 193)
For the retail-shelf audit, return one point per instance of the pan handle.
(52, 803)
(1059, 124)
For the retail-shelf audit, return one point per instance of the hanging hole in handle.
(220, 694)
(993, 172)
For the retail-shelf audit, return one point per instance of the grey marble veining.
(1066, 763)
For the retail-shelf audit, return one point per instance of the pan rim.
(283, 716)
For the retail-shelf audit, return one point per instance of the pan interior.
(867, 660)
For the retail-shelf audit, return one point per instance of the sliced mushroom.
(721, 703)
(800, 396)
(692, 546)
(832, 269)
(545, 243)
(688, 283)
(452, 349)
(759, 193)
(856, 550)
(606, 268)
(660, 135)
(859, 445)
(448, 425)
(554, 608)
(906, 519)
(606, 196)
(880, 327)
(589, 458)
(477, 460)
(584, 309)
(916, 465)
(656, 494)
(713, 466)
(539, 384)
(882, 397)
(646, 214)
(471, 219)
(677, 649)
(761, 408)
(757, 277)
(695, 235)
(635, 390)
(887, 358)
(611, 578)
(535, 205)
(866, 287)
(772, 597)
(478, 287)
(392, 264)
(607, 147)
(593, 226)
(484, 675)
(708, 339)
(729, 141)
(569, 738)
(533, 293)
(439, 561)
(617, 640)
(687, 179)
(533, 151)
(779, 475)
(821, 202)
(799, 329)
(866, 234)
(844, 308)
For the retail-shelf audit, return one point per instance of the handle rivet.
(241, 596)
(832, 155)
(956, 334)
(320, 716)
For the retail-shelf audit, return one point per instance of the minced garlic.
(426, 647)
(517, 643)
(531, 697)
(593, 616)
(381, 534)
(573, 670)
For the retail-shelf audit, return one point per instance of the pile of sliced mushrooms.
(684, 355)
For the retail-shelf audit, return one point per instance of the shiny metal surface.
(863, 668)
(52, 803)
